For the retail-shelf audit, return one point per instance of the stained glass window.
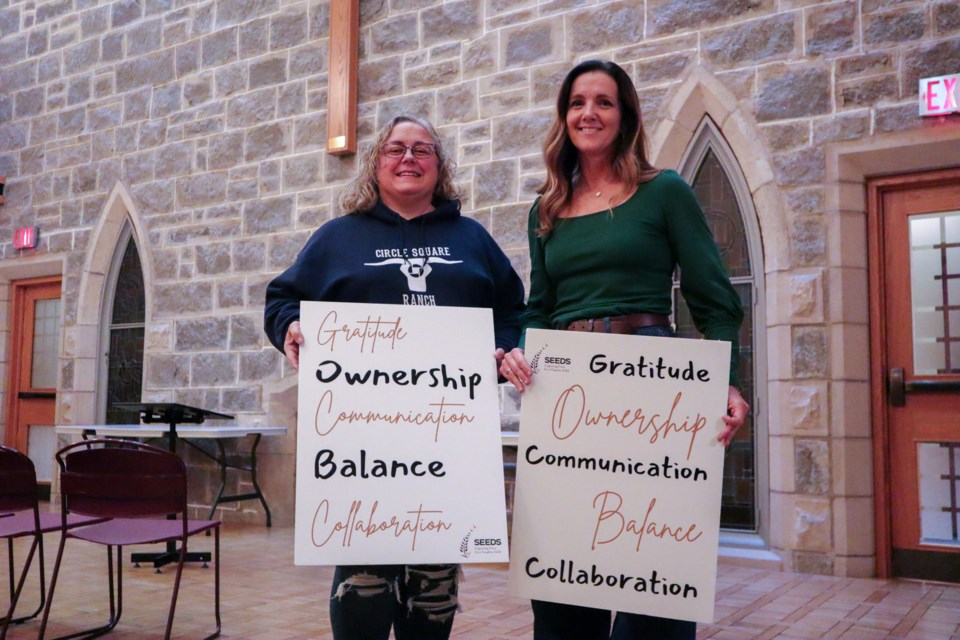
(125, 358)
(718, 199)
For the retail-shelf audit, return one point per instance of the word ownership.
(568, 573)
(330, 370)
(572, 411)
(367, 331)
(410, 524)
(658, 370)
(439, 414)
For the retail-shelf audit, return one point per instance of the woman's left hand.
(737, 410)
(498, 356)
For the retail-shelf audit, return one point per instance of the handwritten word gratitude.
(410, 524)
(571, 411)
(368, 331)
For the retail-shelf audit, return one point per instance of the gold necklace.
(597, 193)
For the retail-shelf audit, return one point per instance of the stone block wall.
(206, 118)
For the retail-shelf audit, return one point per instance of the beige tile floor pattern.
(266, 597)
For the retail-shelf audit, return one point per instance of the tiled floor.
(266, 597)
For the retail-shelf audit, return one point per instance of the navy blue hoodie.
(440, 258)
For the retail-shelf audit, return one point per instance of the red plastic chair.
(135, 485)
(18, 502)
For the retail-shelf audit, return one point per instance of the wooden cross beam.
(342, 84)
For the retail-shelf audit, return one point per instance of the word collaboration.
(567, 572)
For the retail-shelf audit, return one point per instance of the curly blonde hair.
(363, 192)
(630, 162)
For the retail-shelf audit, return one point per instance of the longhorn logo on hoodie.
(416, 270)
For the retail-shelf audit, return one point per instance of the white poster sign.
(619, 473)
(399, 457)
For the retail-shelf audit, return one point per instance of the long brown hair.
(630, 162)
(363, 192)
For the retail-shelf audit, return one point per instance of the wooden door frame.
(18, 332)
(876, 188)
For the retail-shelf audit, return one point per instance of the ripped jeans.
(418, 601)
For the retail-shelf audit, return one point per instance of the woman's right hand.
(291, 344)
(516, 369)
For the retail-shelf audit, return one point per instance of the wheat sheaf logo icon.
(465, 543)
(535, 362)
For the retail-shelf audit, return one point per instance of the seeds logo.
(549, 363)
(465, 543)
(535, 363)
(470, 545)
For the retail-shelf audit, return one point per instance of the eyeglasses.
(420, 150)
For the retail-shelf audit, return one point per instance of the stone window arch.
(122, 339)
(710, 167)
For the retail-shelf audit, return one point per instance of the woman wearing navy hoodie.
(403, 241)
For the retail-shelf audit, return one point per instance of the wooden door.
(34, 356)
(915, 273)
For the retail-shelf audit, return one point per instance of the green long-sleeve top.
(604, 264)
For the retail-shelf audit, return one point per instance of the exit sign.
(940, 95)
(25, 238)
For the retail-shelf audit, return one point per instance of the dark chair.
(18, 502)
(135, 485)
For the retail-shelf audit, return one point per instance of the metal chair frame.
(18, 496)
(136, 486)
(23, 517)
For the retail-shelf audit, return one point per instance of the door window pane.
(935, 291)
(42, 445)
(939, 468)
(46, 344)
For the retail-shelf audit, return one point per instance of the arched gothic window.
(715, 176)
(125, 321)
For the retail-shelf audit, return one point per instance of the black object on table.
(171, 414)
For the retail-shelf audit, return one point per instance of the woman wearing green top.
(606, 235)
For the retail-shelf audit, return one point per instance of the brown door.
(34, 353)
(915, 272)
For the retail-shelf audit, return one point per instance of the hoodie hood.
(445, 210)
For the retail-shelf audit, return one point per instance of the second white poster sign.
(619, 473)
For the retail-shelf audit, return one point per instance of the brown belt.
(620, 324)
